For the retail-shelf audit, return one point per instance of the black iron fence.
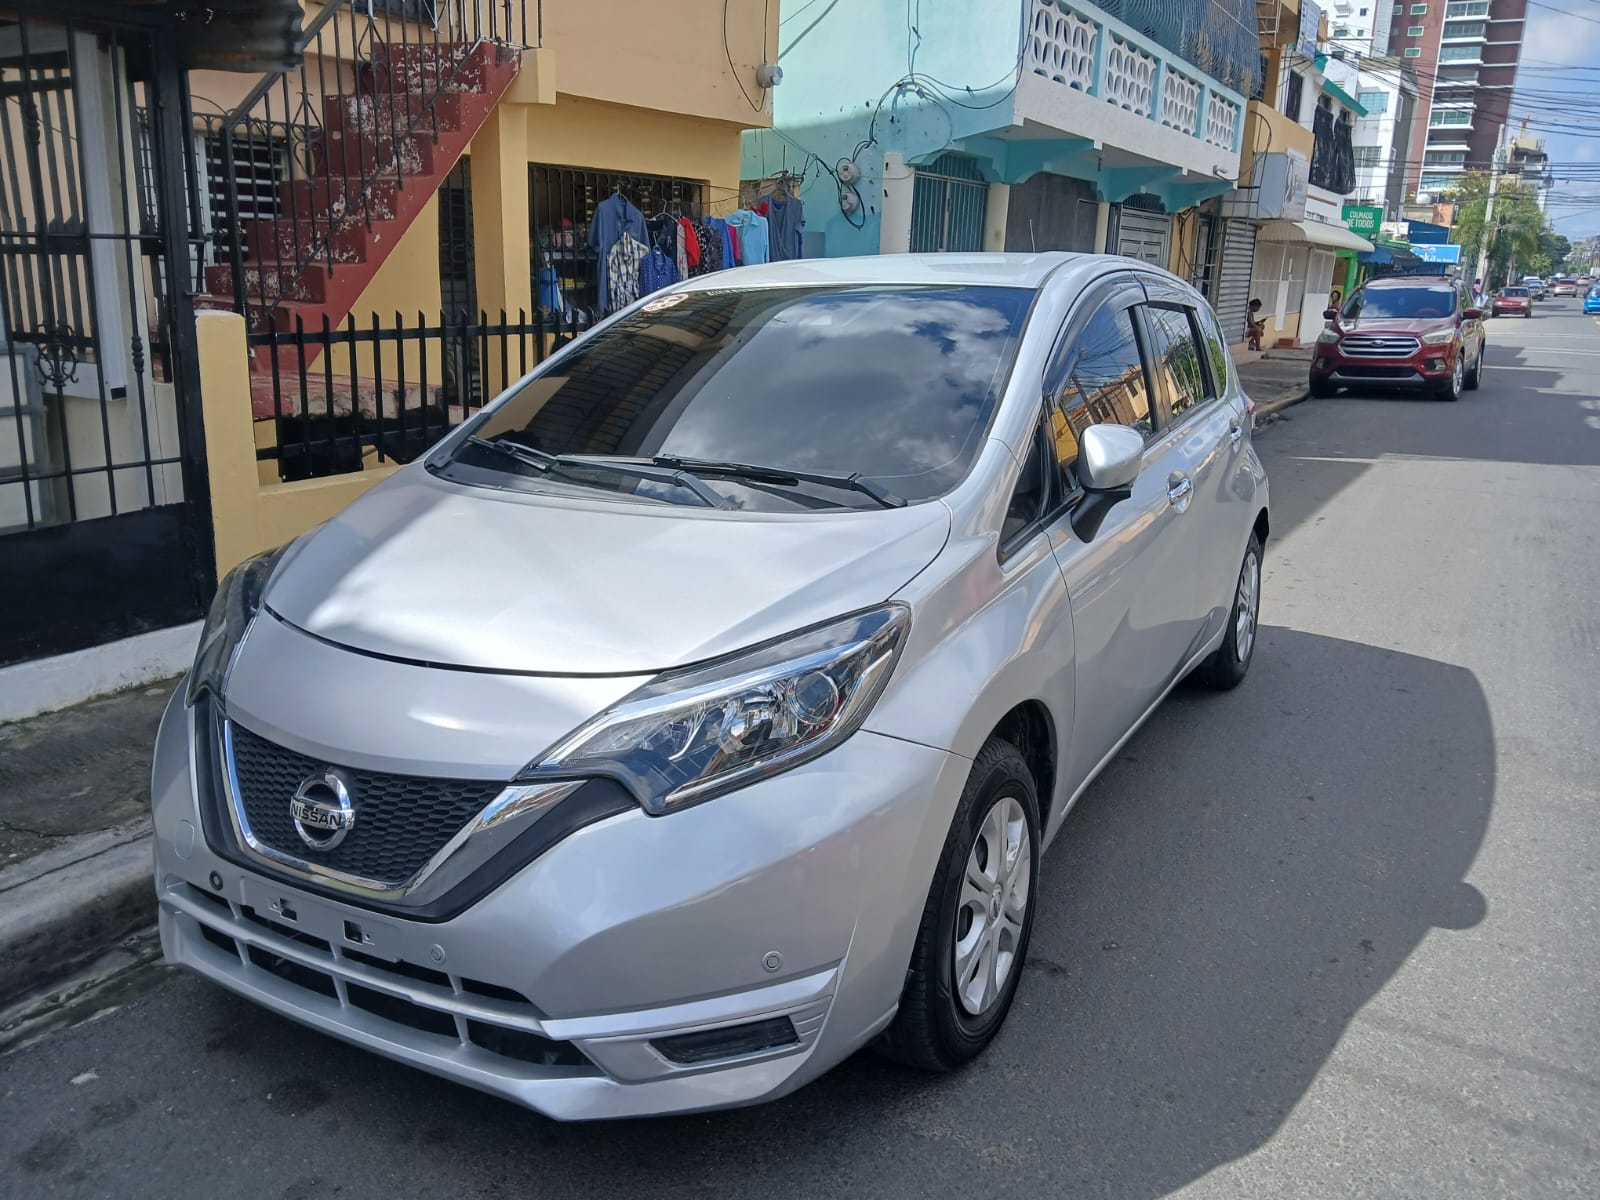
(302, 168)
(343, 398)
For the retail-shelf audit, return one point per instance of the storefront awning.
(1317, 233)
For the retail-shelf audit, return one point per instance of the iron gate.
(103, 524)
(947, 203)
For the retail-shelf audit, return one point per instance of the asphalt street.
(1335, 934)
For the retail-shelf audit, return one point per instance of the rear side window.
(1175, 355)
(1216, 350)
(1101, 382)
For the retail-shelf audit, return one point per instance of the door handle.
(1235, 432)
(1178, 489)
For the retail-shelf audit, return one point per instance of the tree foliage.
(1517, 228)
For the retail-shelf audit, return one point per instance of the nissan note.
(697, 713)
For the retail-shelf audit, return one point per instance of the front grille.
(402, 821)
(1376, 346)
(1376, 373)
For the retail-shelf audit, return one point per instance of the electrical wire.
(727, 51)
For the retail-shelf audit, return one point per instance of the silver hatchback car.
(697, 713)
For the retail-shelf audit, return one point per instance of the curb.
(72, 904)
(1270, 408)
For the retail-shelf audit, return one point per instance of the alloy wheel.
(996, 890)
(1245, 606)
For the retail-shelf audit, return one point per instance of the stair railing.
(318, 151)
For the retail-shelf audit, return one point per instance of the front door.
(1130, 580)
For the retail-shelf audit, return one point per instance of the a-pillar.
(502, 239)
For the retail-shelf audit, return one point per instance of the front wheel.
(1475, 376)
(1228, 664)
(976, 921)
(1450, 389)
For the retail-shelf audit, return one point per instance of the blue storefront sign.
(1444, 256)
(1426, 233)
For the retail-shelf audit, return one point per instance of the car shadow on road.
(1247, 875)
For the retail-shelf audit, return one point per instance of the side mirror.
(1109, 457)
(1328, 314)
(1473, 314)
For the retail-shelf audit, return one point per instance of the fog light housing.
(1321, 364)
(1436, 364)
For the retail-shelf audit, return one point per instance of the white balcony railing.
(1082, 49)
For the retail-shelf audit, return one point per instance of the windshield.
(895, 383)
(1516, 291)
(1408, 303)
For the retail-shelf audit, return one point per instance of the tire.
(1226, 666)
(1475, 376)
(1450, 389)
(1321, 389)
(936, 1028)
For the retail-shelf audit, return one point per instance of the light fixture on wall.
(769, 75)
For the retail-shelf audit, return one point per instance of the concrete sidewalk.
(75, 878)
(1274, 379)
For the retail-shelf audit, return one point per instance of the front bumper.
(714, 957)
(1425, 369)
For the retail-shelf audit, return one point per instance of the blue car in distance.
(1591, 300)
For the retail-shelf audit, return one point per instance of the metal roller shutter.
(1233, 278)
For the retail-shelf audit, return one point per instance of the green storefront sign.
(1363, 219)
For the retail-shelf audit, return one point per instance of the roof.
(989, 270)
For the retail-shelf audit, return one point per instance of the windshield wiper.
(545, 462)
(781, 476)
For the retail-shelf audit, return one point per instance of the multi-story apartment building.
(1465, 53)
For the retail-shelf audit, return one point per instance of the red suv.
(1402, 332)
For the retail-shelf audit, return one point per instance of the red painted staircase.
(384, 147)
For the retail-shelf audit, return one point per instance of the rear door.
(1130, 579)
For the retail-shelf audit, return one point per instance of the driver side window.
(1099, 379)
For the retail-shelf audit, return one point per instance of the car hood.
(1393, 326)
(430, 571)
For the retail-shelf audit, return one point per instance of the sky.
(1558, 89)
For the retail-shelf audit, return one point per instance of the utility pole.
(1488, 209)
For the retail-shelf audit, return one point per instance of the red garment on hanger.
(733, 236)
(762, 208)
(691, 245)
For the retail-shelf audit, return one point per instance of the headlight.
(1438, 337)
(238, 598)
(1328, 337)
(688, 735)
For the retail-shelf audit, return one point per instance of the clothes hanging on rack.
(688, 247)
(751, 230)
(549, 291)
(622, 266)
(615, 217)
(709, 242)
(784, 220)
(656, 272)
(720, 228)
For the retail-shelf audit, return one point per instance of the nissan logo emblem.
(322, 812)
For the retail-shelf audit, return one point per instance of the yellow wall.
(667, 55)
(247, 516)
(1268, 131)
